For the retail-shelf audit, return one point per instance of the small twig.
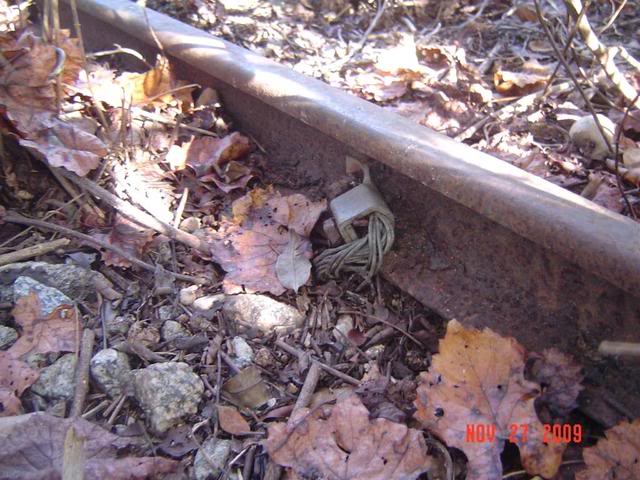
(309, 386)
(474, 17)
(119, 49)
(360, 45)
(82, 373)
(604, 55)
(85, 204)
(158, 118)
(14, 218)
(299, 353)
(137, 215)
(615, 15)
(387, 323)
(567, 68)
(619, 348)
(33, 251)
(567, 46)
(617, 161)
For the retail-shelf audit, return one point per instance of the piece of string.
(363, 256)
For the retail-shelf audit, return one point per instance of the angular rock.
(8, 336)
(262, 312)
(57, 381)
(167, 392)
(111, 371)
(211, 458)
(243, 352)
(50, 298)
(73, 281)
(188, 295)
(239, 6)
(171, 330)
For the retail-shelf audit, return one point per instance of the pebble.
(344, 325)
(57, 381)
(73, 281)
(171, 330)
(111, 371)
(211, 458)
(167, 392)
(8, 336)
(262, 312)
(188, 295)
(166, 312)
(50, 298)
(243, 353)
(209, 302)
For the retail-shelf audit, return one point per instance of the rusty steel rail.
(477, 239)
(596, 239)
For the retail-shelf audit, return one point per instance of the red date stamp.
(551, 433)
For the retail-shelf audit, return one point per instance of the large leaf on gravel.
(32, 446)
(65, 145)
(477, 378)
(15, 377)
(616, 456)
(42, 333)
(342, 443)
(248, 245)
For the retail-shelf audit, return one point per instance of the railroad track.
(477, 239)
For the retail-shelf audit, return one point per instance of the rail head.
(599, 241)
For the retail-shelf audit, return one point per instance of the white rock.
(111, 371)
(243, 352)
(262, 312)
(167, 392)
(585, 135)
(188, 295)
(209, 302)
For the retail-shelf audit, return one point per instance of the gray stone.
(50, 298)
(57, 381)
(243, 353)
(75, 282)
(262, 312)
(209, 302)
(167, 312)
(171, 330)
(211, 458)
(111, 371)
(8, 336)
(120, 324)
(167, 392)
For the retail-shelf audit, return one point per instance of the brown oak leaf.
(342, 443)
(248, 244)
(32, 446)
(231, 421)
(615, 457)
(41, 333)
(476, 382)
(15, 377)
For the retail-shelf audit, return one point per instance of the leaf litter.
(262, 240)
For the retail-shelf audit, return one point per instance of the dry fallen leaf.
(247, 388)
(15, 377)
(248, 245)
(127, 235)
(293, 268)
(41, 333)
(615, 457)
(477, 381)
(560, 376)
(517, 84)
(342, 443)
(31, 446)
(231, 421)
